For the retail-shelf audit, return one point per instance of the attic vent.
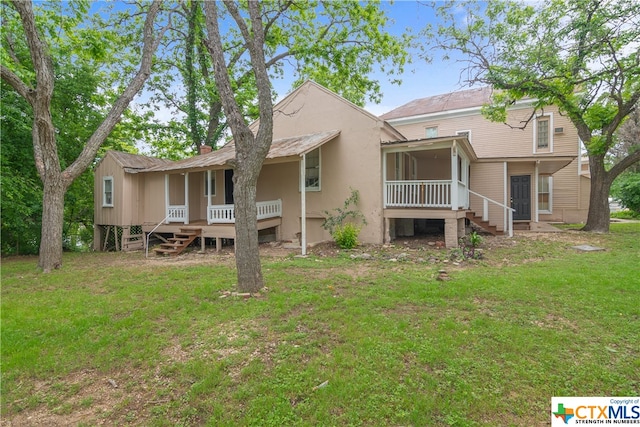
(558, 130)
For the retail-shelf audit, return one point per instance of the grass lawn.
(336, 339)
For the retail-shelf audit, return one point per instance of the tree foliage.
(63, 64)
(580, 55)
(339, 44)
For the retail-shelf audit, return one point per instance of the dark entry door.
(228, 186)
(521, 197)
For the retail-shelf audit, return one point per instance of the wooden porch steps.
(178, 243)
(485, 225)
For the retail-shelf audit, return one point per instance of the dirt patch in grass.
(87, 397)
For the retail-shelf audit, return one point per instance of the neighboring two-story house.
(414, 168)
(537, 169)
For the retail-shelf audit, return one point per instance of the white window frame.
(549, 149)
(319, 167)
(206, 184)
(431, 128)
(466, 133)
(550, 193)
(106, 179)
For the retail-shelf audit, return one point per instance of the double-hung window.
(107, 191)
(543, 134)
(545, 185)
(312, 170)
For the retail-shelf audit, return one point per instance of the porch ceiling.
(546, 165)
(280, 148)
(433, 144)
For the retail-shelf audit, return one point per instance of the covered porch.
(426, 179)
(198, 192)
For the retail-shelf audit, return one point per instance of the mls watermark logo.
(571, 411)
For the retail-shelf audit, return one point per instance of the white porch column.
(454, 177)
(506, 197)
(384, 179)
(208, 194)
(535, 192)
(166, 198)
(303, 204)
(186, 198)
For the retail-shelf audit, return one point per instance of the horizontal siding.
(487, 179)
(566, 187)
(110, 215)
(491, 140)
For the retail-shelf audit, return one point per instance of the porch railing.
(418, 194)
(176, 213)
(225, 214)
(508, 212)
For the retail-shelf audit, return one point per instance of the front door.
(228, 186)
(521, 197)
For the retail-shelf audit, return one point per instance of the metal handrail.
(485, 213)
(146, 254)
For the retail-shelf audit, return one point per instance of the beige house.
(323, 147)
(537, 170)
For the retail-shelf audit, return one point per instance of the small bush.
(346, 236)
(468, 247)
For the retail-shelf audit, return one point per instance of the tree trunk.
(598, 219)
(248, 266)
(55, 180)
(52, 221)
(251, 149)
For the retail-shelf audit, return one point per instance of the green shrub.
(346, 236)
(626, 189)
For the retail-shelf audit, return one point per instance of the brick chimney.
(204, 149)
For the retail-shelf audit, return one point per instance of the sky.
(420, 79)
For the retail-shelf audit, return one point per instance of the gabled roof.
(281, 106)
(133, 163)
(446, 102)
(280, 148)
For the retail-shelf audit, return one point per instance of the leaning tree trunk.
(598, 217)
(246, 245)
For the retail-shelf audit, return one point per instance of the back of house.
(532, 163)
